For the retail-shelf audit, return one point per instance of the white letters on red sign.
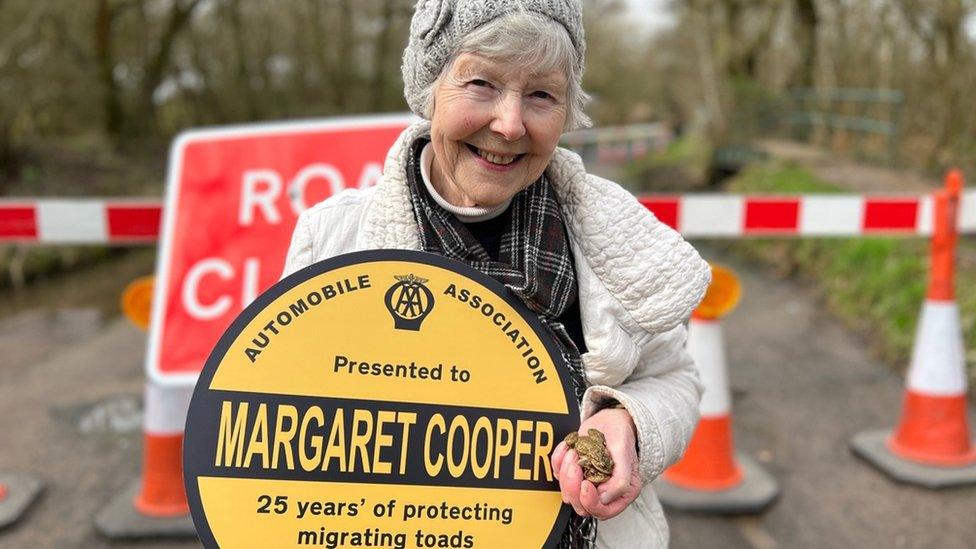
(296, 190)
(260, 189)
(190, 290)
(191, 284)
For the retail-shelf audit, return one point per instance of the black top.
(489, 235)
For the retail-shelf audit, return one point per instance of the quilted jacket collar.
(654, 274)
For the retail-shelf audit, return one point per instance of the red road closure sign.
(233, 196)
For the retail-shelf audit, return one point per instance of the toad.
(594, 458)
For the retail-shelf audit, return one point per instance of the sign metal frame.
(154, 370)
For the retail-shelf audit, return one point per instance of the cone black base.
(754, 494)
(22, 492)
(872, 447)
(120, 520)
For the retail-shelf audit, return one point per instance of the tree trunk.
(381, 55)
(252, 106)
(706, 67)
(806, 39)
(949, 24)
(325, 69)
(111, 94)
(342, 75)
(11, 157)
(155, 69)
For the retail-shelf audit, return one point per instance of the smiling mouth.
(498, 160)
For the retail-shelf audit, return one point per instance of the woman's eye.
(480, 83)
(542, 95)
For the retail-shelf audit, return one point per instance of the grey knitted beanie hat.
(438, 27)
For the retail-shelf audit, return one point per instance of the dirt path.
(846, 173)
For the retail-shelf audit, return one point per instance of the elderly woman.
(481, 180)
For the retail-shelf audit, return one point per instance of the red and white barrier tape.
(80, 221)
(735, 216)
(122, 221)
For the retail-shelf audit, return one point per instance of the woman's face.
(494, 129)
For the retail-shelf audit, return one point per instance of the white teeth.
(494, 159)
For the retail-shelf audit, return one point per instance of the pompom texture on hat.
(438, 26)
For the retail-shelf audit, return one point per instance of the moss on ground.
(875, 285)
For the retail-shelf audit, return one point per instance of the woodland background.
(91, 91)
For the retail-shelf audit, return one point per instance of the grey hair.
(525, 39)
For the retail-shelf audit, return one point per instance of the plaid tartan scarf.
(534, 262)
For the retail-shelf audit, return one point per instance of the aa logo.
(409, 302)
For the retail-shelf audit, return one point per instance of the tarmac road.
(70, 404)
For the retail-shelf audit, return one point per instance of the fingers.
(624, 479)
(590, 500)
(585, 497)
(570, 481)
(610, 498)
(608, 492)
(613, 496)
(557, 458)
(622, 482)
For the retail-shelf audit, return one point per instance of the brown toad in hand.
(594, 458)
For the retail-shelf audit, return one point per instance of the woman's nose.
(508, 121)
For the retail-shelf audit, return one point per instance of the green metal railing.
(865, 111)
(805, 114)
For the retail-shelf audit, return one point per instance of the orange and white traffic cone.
(156, 505)
(162, 494)
(931, 446)
(712, 477)
(17, 493)
(709, 463)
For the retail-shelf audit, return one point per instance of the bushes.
(21, 264)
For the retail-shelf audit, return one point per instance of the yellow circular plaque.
(380, 399)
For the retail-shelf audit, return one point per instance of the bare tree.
(155, 68)
(807, 24)
(106, 15)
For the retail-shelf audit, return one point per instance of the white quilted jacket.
(638, 283)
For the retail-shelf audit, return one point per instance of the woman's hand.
(613, 496)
